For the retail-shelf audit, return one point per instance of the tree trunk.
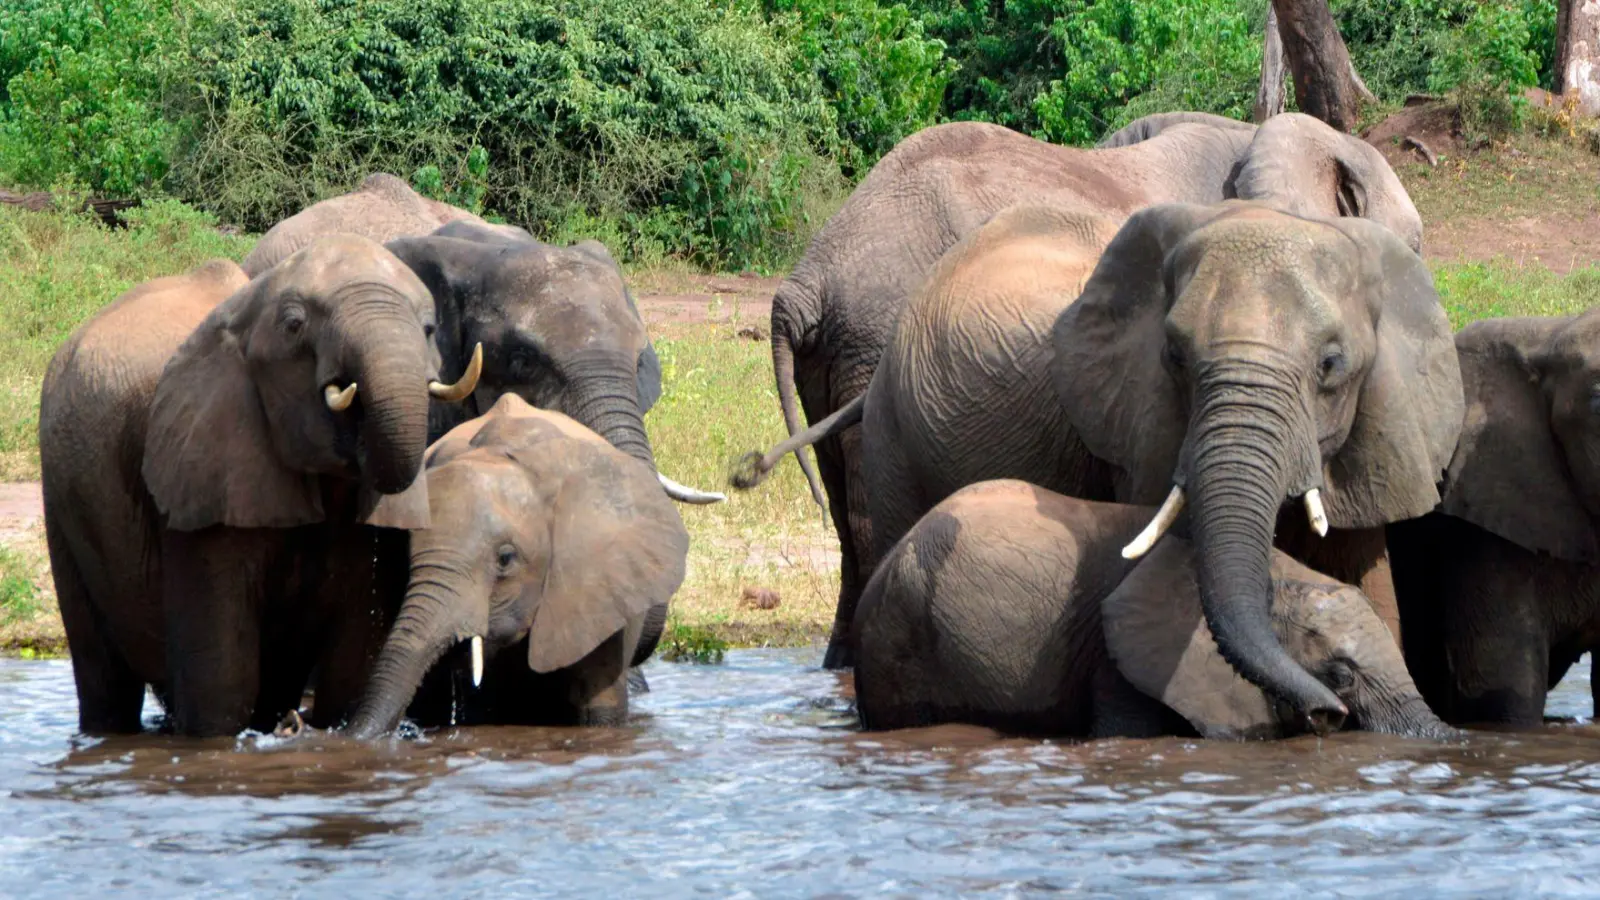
(1325, 82)
(1271, 94)
(1577, 62)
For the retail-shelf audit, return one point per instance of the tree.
(1270, 96)
(1325, 81)
(1577, 63)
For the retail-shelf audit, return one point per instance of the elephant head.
(1527, 467)
(321, 367)
(544, 538)
(558, 326)
(1158, 639)
(1243, 357)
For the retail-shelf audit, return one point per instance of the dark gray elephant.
(550, 562)
(1010, 606)
(1499, 589)
(1231, 356)
(558, 327)
(832, 317)
(216, 455)
(381, 209)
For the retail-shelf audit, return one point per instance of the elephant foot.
(637, 683)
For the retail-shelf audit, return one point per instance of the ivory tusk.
(685, 494)
(338, 400)
(461, 390)
(1165, 516)
(1315, 512)
(477, 660)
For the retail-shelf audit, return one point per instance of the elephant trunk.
(1250, 434)
(606, 402)
(432, 619)
(391, 370)
(1408, 716)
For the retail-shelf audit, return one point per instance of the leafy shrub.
(692, 644)
(668, 116)
(884, 78)
(81, 93)
(1488, 62)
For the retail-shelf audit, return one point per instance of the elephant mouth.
(1170, 509)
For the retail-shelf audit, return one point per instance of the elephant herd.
(1166, 436)
(1026, 364)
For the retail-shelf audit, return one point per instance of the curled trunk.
(1248, 437)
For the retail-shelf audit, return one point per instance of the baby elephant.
(548, 566)
(1011, 606)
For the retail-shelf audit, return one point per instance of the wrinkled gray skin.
(831, 318)
(208, 513)
(558, 326)
(1244, 354)
(1009, 606)
(556, 549)
(381, 209)
(1500, 589)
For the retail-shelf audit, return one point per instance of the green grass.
(1473, 291)
(30, 623)
(56, 270)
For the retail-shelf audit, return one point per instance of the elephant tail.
(754, 467)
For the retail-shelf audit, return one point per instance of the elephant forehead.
(480, 486)
(1577, 344)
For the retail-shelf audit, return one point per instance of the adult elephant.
(1229, 353)
(1499, 588)
(831, 318)
(216, 453)
(550, 560)
(381, 209)
(558, 327)
(1009, 606)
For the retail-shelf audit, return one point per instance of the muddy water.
(748, 780)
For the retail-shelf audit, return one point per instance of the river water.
(748, 780)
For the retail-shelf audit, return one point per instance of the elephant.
(832, 317)
(1011, 607)
(558, 327)
(551, 556)
(1499, 588)
(381, 209)
(223, 462)
(1231, 352)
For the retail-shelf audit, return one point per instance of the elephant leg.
(598, 685)
(110, 695)
(359, 594)
(1358, 556)
(215, 585)
(831, 468)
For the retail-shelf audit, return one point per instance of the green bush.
(81, 93)
(682, 119)
(1489, 61)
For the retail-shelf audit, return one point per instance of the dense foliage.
(715, 131)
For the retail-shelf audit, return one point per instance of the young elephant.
(552, 557)
(1500, 588)
(1012, 607)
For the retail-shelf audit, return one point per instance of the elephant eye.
(292, 320)
(428, 331)
(1339, 675)
(1332, 366)
(506, 557)
(1174, 355)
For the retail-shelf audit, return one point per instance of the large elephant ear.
(1157, 637)
(1300, 165)
(1107, 369)
(1508, 474)
(1408, 414)
(208, 453)
(617, 551)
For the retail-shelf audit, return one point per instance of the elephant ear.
(1107, 369)
(649, 378)
(1408, 414)
(1508, 474)
(1298, 164)
(617, 550)
(1157, 637)
(208, 457)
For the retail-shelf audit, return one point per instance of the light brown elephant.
(381, 209)
(1010, 606)
(832, 317)
(215, 455)
(550, 562)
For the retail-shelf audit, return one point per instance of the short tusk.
(1315, 512)
(338, 400)
(477, 660)
(685, 494)
(461, 390)
(1165, 516)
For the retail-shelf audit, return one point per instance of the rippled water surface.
(748, 779)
